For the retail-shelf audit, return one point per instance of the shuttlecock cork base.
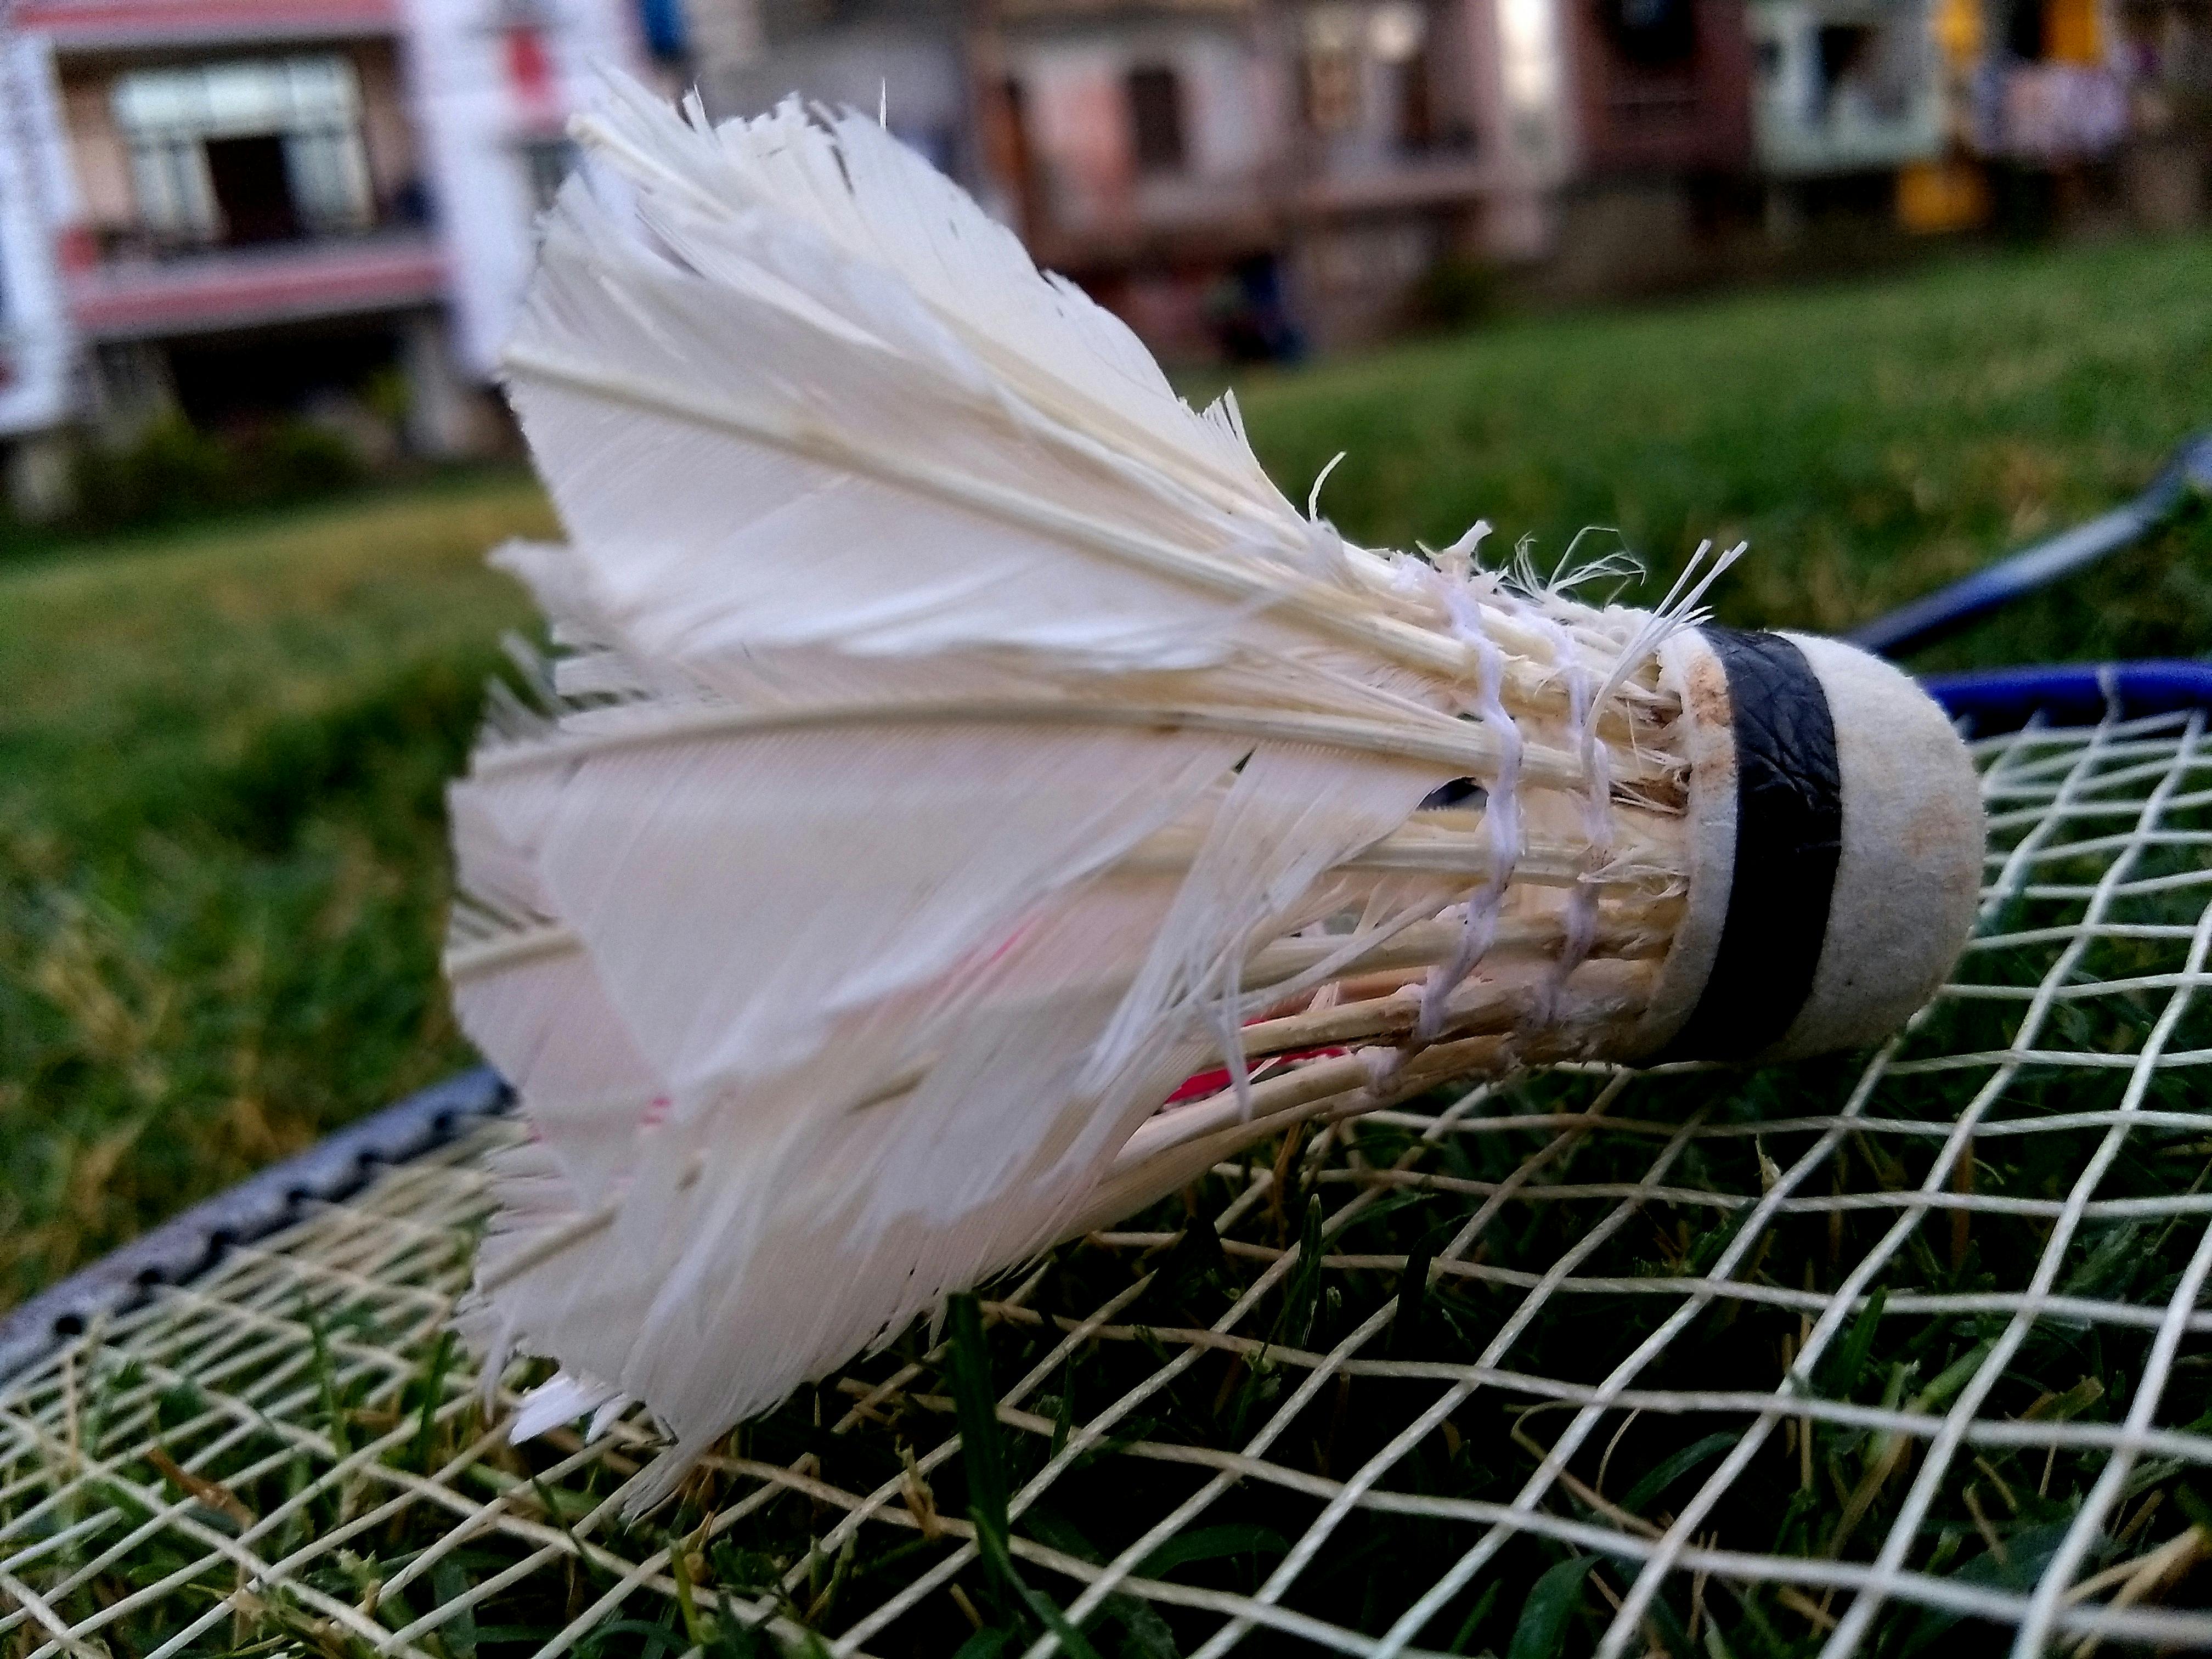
(1834, 841)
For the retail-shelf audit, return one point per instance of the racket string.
(289, 1448)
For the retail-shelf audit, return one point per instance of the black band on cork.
(1788, 836)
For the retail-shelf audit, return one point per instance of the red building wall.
(1661, 86)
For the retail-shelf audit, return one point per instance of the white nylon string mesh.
(1841, 1359)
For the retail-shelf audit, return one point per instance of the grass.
(309, 1403)
(221, 873)
(221, 865)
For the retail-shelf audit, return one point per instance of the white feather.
(906, 614)
(868, 196)
(563, 1400)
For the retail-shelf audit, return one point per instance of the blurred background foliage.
(223, 863)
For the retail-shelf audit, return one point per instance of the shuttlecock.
(954, 748)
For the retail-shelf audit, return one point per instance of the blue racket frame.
(1993, 700)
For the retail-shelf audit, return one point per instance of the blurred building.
(1661, 91)
(909, 57)
(2164, 49)
(2049, 88)
(1239, 177)
(1140, 150)
(37, 343)
(1196, 162)
(1424, 144)
(227, 208)
(1846, 86)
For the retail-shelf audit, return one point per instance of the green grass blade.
(1542, 1631)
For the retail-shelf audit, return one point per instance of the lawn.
(221, 868)
(221, 865)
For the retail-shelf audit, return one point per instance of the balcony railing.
(140, 296)
(136, 25)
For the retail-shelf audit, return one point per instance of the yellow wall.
(1934, 196)
(2073, 32)
(1958, 31)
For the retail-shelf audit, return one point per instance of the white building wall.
(476, 126)
(1078, 123)
(1075, 92)
(1886, 111)
(36, 202)
(1229, 106)
(1535, 89)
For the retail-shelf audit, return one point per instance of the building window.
(1156, 116)
(1652, 33)
(251, 151)
(2054, 31)
(1333, 69)
(1398, 31)
(1533, 73)
(1397, 36)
